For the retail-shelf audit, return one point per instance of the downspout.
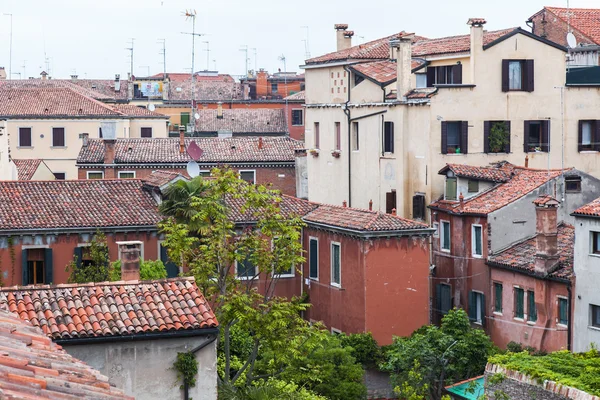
(211, 339)
(570, 316)
(347, 112)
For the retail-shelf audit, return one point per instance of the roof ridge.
(17, 288)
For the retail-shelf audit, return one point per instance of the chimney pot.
(85, 137)
(109, 151)
(461, 198)
(526, 160)
(130, 253)
(370, 205)
(393, 211)
(546, 239)
(181, 139)
(344, 204)
(219, 110)
(260, 143)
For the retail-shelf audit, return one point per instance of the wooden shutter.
(418, 206)
(48, 267)
(464, 137)
(314, 259)
(596, 135)
(498, 297)
(444, 137)
(505, 75)
(507, 146)
(58, 137)
(438, 297)
(486, 136)
(457, 74)
(526, 136)
(430, 78)
(24, 270)
(532, 311)
(78, 256)
(472, 306)
(529, 78)
(545, 135)
(580, 136)
(450, 188)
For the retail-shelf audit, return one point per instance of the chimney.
(393, 211)
(181, 139)
(117, 82)
(2, 73)
(526, 160)
(74, 77)
(343, 41)
(260, 143)
(109, 151)
(476, 43)
(370, 205)
(402, 48)
(220, 110)
(461, 198)
(546, 239)
(344, 203)
(84, 139)
(44, 75)
(262, 84)
(130, 253)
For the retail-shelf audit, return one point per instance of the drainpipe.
(347, 112)
(211, 339)
(570, 316)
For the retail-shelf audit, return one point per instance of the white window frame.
(151, 132)
(335, 284)
(436, 226)
(244, 278)
(293, 269)
(247, 170)
(203, 171)
(479, 297)
(19, 137)
(442, 222)
(130, 242)
(335, 331)
(52, 138)
(591, 246)
(126, 172)
(310, 238)
(473, 226)
(87, 174)
(301, 112)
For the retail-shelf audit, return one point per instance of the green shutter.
(519, 306)
(532, 311)
(78, 256)
(472, 306)
(438, 297)
(482, 308)
(314, 259)
(450, 188)
(498, 297)
(562, 311)
(473, 186)
(336, 264)
(25, 270)
(185, 118)
(48, 267)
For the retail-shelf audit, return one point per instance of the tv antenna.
(306, 44)
(163, 52)
(255, 59)
(207, 50)
(131, 57)
(191, 14)
(245, 50)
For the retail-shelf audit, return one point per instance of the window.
(24, 137)
(445, 236)
(421, 81)
(205, 173)
(531, 307)
(476, 307)
(58, 137)
(450, 188)
(595, 311)
(184, 118)
(248, 176)
(37, 266)
(126, 174)
(436, 227)
(573, 184)
(313, 254)
(317, 136)
(473, 186)
(517, 75)
(443, 298)
(388, 137)
(390, 201)
(297, 117)
(419, 206)
(589, 136)
(563, 311)
(355, 136)
(476, 241)
(536, 136)
(454, 137)
(100, 132)
(358, 79)
(274, 87)
(146, 132)
(59, 176)
(519, 303)
(245, 269)
(95, 175)
(280, 272)
(498, 297)
(595, 238)
(444, 75)
(496, 136)
(338, 136)
(336, 272)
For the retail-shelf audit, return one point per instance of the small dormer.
(469, 181)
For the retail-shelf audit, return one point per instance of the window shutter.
(596, 135)
(418, 206)
(444, 137)
(507, 146)
(505, 75)
(580, 137)
(546, 135)
(171, 267)
(472, 306)
(78, 256)
(486, 136)
(457, 74)
(48, 266)
(430, 77)
(464, 137)
(438, 297)
(526, 136)
(24, 272)
(482, 309)
(314, 272)
(529, 75)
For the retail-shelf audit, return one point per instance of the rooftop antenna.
(255, 59)
(131, 57)
(191, 14)
(207, 50)
(24, 70)
(10, 53)
(245, 50)
(163, 52)
(306, 45)
(215, 64)
(282, 58)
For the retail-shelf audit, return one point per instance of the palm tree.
(177, 202)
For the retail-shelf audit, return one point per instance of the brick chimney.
(546, 239)
(117, 82)
(401, 50)
(260, 143)
(262, 84)
(109, 151)
(84, 139)
(74, 77)
(220, 110)
(343, 40)
(476, 43)
(181, 139)
(130, 254)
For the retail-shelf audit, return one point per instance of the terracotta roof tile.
(453, 44)
(27, 167)
(216, 150)
(160, 178)
(257, 121)
(491, 174)
(75, 204)
(205, 90)
(383, 72)
(290, 207)
(81, 88)
(300, 96)
(104, 88)
(585, 20)
(591, 209)
(33, 367)
(546, 200)
(200, 77)
(132, 110)
(521, 256)
(119, 308)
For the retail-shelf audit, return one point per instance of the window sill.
(58, 147)
(531, 322)
(285, 276)
(594, 255)
(336, 285)
(588, 152)
(245, 278)
(445, 251)
(454, 154)
(477, 323)
(594, 328)
(497, 313)
(519, 319)
(298, 125)
(24, 147)
(477, 256)
(454, 85)
(537, 152)
(498, 153)
(561, 326)
(314, 279)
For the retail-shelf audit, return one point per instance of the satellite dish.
(193, 169)
(151, 107)
(194, 151)
(571, 40)
(196, 116)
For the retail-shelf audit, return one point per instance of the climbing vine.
(187, 368)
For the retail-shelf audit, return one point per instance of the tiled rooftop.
(27, 167)
(106, 87)
(300, 96)
(111, 308)
(132, 110)
(76, 204)
(521, 256)
(523, 181)
(216, 150)
(591, 209)
(383, 72)
(255, 121)
(290, 207)
(182, 76)
(585, 20)
(32, 367)
(81, 88)
(546, 200)
(491, 174)
(205, 90)
(160, 178)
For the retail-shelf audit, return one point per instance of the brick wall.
(548, 26)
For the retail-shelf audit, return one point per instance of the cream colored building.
(8, 170)
(48, 123)
(366, 143)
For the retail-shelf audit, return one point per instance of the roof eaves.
(526, 33)
(549, 277)
(367, 77)
(365, 234)
(420, 67)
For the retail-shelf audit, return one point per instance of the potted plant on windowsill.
(336, 153)
(314, 152)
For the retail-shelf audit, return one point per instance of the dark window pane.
(146, 132)
(534, 140)
(297, 117)
(445, 235)
(388, 140)
(335, 267)
(473, 186)
(563, 316)
(314, 259)
(573, 184)
(59, 175)
(248, 176)
(519, 303)
(498, 297)
(25, 137)
(477, 241)
(445, 298)
(58, 137)
(453, 137)
(595, 315)
(245, 269)
(532, 309)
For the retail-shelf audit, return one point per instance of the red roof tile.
(132, 110)
(585, 20)
(26, 167)
(81, 88)
(546, 200)
(257, 121)
(104, 89)
(296, 96)
(111, 308)
(289, 206)
(182, 76)
(521, 256)
(383, 72)
(216, 150)
(33, 367)
(591, 209)
(160, 178)
(491, 174)
(205, 90)
(76, 204)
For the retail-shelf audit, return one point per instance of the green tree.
(95, 267)
(433, 357)
(149, 270)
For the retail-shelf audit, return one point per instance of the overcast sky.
(89, 37)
